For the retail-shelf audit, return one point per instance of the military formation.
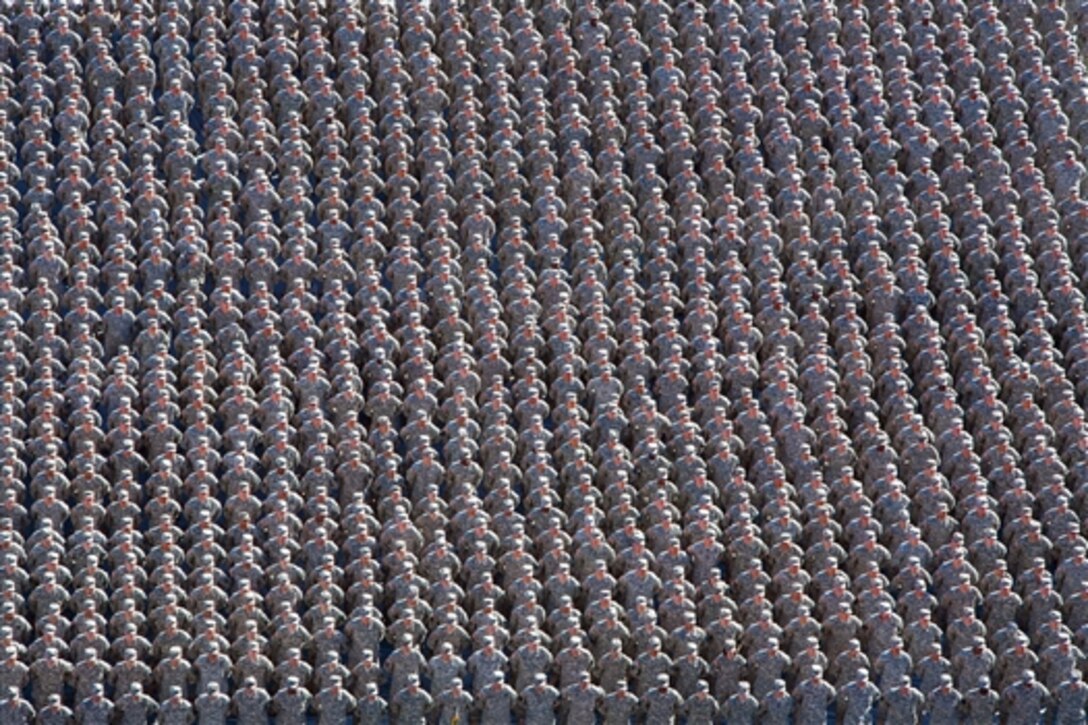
(721, 361)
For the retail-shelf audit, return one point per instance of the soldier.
(902, 703)
(661, 703)
(291, 704)
(372, 708)
(814, 696)
(688, 670)
(767, 665)
(454, 704)
(48, 676)
(134, 707)
(579, 701)
(892, 664)
(409, 704)
(484, 663)
(944, 702)
(404, 662)
(15, 709)
(212, 667)
(173, 671)
(212, 706)
(1060, 661)
(777, 707)
(496, 701)
(13, 673)
(55, 712)
(1070, 699)
(334, 704)
(89, 671)
(250, 703)
(131, 670)
(532, 659)
(1024, 700)
(856, 699)
(95, 709)
(701, 707)
(980, 705)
